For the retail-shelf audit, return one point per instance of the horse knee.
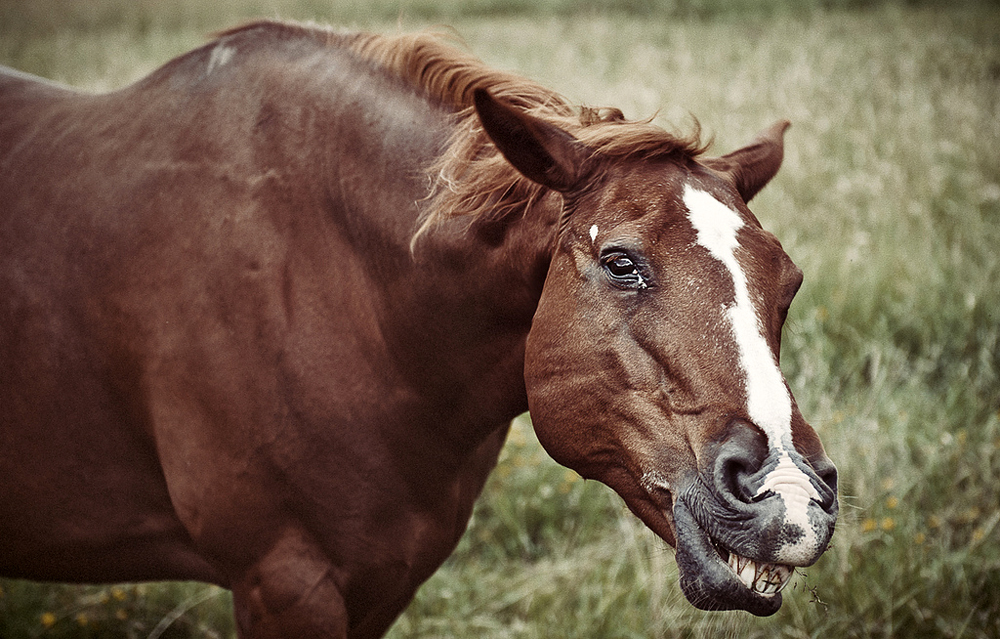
(291, 592)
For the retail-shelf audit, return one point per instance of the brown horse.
(265, 317)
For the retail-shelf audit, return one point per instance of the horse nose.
(749, 470)
(788, 505)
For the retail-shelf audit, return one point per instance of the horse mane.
(471, 177)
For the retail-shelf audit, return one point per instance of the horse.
(266, 315)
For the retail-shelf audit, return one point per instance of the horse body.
(227, 358)
(195, 307)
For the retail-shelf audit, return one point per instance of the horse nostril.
(829, 477)
(827, 474)
(738, 463)
(736, 477)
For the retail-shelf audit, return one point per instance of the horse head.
(652, 363)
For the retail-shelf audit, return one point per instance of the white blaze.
(593, 233)
(769, 404)
(221, 55)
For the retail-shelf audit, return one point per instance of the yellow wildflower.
(892, 502)
(81, 619)
(48, 619)
(919, 538)
(888, 523)
(869, 525)
(121, 614)
(118, 593)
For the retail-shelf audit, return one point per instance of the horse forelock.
(472, 178)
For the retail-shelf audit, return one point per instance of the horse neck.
(454, 308)
(469, 296)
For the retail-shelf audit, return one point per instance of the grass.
(889, 200)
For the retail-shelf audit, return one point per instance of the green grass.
(889, 200)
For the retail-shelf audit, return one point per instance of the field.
(889, 200)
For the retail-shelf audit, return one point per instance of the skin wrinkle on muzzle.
(769, 403)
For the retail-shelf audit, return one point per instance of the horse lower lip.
(763, 579)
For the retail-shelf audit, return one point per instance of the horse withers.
(266, 315)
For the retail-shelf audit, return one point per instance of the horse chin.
(715, 578)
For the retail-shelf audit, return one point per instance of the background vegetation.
(889, 200)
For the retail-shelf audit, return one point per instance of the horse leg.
(290, 592)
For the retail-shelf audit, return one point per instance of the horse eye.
(622, 267)
(623, 271)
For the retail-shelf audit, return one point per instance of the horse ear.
(753, 166)
(541, 151)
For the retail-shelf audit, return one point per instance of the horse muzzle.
(744, 524)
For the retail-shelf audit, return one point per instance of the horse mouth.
(761, 578)
(713, 577)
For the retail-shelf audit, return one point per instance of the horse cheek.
(564, 384)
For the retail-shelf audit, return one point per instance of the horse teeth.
(765, 579)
